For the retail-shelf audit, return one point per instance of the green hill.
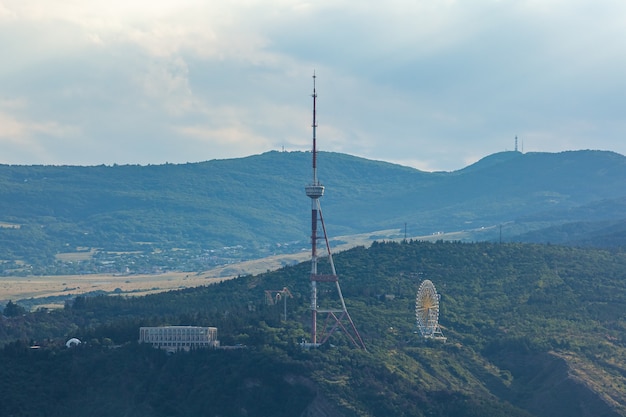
(532, 330)
(183, 216)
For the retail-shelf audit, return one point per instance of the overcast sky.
(432, 84)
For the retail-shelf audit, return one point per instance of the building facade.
(175, 338)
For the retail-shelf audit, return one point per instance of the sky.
(431, 84)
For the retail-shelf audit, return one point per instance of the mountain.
(532, 331)
(258, 204)
(599, 224)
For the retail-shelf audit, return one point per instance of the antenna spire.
(314, 95)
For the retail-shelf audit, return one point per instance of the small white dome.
(72, 342)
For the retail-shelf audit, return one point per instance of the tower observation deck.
(335, 311)
(314, 190)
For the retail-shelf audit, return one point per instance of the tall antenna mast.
(336, 318)
(314, 95)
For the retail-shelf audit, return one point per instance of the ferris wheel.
(427, 311)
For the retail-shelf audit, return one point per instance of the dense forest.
(182, 217)
(532, 330)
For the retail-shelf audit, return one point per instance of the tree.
(13, 310)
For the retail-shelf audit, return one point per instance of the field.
(17, 288)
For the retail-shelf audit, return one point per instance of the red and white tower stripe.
(336, 318)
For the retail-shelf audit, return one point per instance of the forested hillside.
(133, 219)
(532, 330)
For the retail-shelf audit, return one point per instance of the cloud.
(13, 127)
(167, 82)
(20, 139)
(161, 28)
(433, 84)
(229, 137)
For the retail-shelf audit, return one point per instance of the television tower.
(335, 318)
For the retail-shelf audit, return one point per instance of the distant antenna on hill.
(273, 297)
(515, 143)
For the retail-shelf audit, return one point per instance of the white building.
(175, 338)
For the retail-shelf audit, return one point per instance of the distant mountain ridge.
(259, 201)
